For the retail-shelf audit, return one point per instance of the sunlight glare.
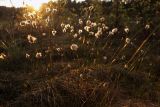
(36, 4)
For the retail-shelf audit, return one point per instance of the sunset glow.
(21, 3)
(36, 4)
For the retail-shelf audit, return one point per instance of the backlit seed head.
(75, 35)
(74, 47)
(47, 19)
(98, 34)
(27, 56)
(88, 22)
(91, 33)
(80, 31)
(72, 30)
(54, 32)
(91, 8)
(88, 42)
(38, 55)
(100, 29)
(27, 22)
(128, 40)
(64, 30)
(126, 66)
(110, 33)
(54, 10)
(72, 27)
(81, 75)
(31, 39)
(87, 28)
(48, 9)
(80, 38)
(2, 56)
(62, 25)
(147, 26)
(105, 27)
(22, 23)
(104, 57)
(43, 34)
(58, 49)
(115, 30)
(80, 21)
(126, 30)
(123, 57)
(93, 24)
(104, 84)
(69, 66)
(67, 26)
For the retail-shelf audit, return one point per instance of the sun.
(36, 4)
(36, 7)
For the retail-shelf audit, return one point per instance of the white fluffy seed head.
(147, 26)
(48, 9)
(38, 55)
(114, 30)
(88, 22)
(126, 30)
(43, 34)
(27, 55)
(128, 40)
(31, 39)
(75, 35)
(74, 47)
(80, 31)
(80, 21)
(87, 28)
(104, 57)
(54, 32)
(2, 56)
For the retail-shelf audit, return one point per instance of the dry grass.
(107, 69)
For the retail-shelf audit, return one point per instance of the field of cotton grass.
(88, 54)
